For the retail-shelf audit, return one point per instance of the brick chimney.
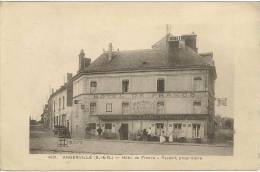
(190, 41)
(174, 45)
(83, 62)
(110, 51)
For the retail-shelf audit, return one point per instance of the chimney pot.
(110, 51)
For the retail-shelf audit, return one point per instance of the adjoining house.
(170, 88)
(60, 106)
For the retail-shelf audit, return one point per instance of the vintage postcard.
(130, 85)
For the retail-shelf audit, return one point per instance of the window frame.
(109, 107)
(90, 109)
(92, 89)
(108, 124)
(63, 102)
(197, 83)
(196, 103)
(159, 88)
(157, 107)
(125, 89)
(125, 112)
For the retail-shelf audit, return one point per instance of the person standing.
(150, 134)
(99, 130)
(162, 137)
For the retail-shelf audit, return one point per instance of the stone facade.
(60, 106)
(167, 90)
(183, 106)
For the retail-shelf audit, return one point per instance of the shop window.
(109, 107)
(195, 130)
(93, 107)
(160, 107)
(108, 126)
(159, 129)
(197, 84)
(160, 85)
(125, 107)
(93, 87)
(177, 129)
(125, 86)
(92, 126)
(177, 126)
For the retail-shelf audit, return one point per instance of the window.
(177, 126)
(109, 107)
(93, 107)
(82, 106)
(197, 106)
(93, 86)
(125, 107)
(160, 85)
(197, 83)
(177, 129)
(57, 120)
(92, 126)
(59, 103)
(108, 126)
(197, 103)
(125, 86)
(195, 130)
(63, 102)
(54, 106)
(160, 107)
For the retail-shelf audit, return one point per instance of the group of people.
(162, 135)
(145, 134)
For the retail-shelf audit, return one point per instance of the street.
(49, 144)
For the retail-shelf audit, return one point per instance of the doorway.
(124, 128)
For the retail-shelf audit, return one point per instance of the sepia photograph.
(113, 81)
(169, 97)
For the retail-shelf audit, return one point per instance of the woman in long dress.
(162, 138)
(171, 137)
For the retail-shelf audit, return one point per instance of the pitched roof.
(147, 59)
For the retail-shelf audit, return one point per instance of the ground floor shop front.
(147, 129)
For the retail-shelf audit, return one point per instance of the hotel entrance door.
(124, 128)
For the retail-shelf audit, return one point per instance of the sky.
(41, 41)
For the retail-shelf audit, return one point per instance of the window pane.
(160, 107)
(160, 85)
(93, 84)
(92, 107)
(108, 126)
(109, 107)
(125, 85)
(125, 107)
